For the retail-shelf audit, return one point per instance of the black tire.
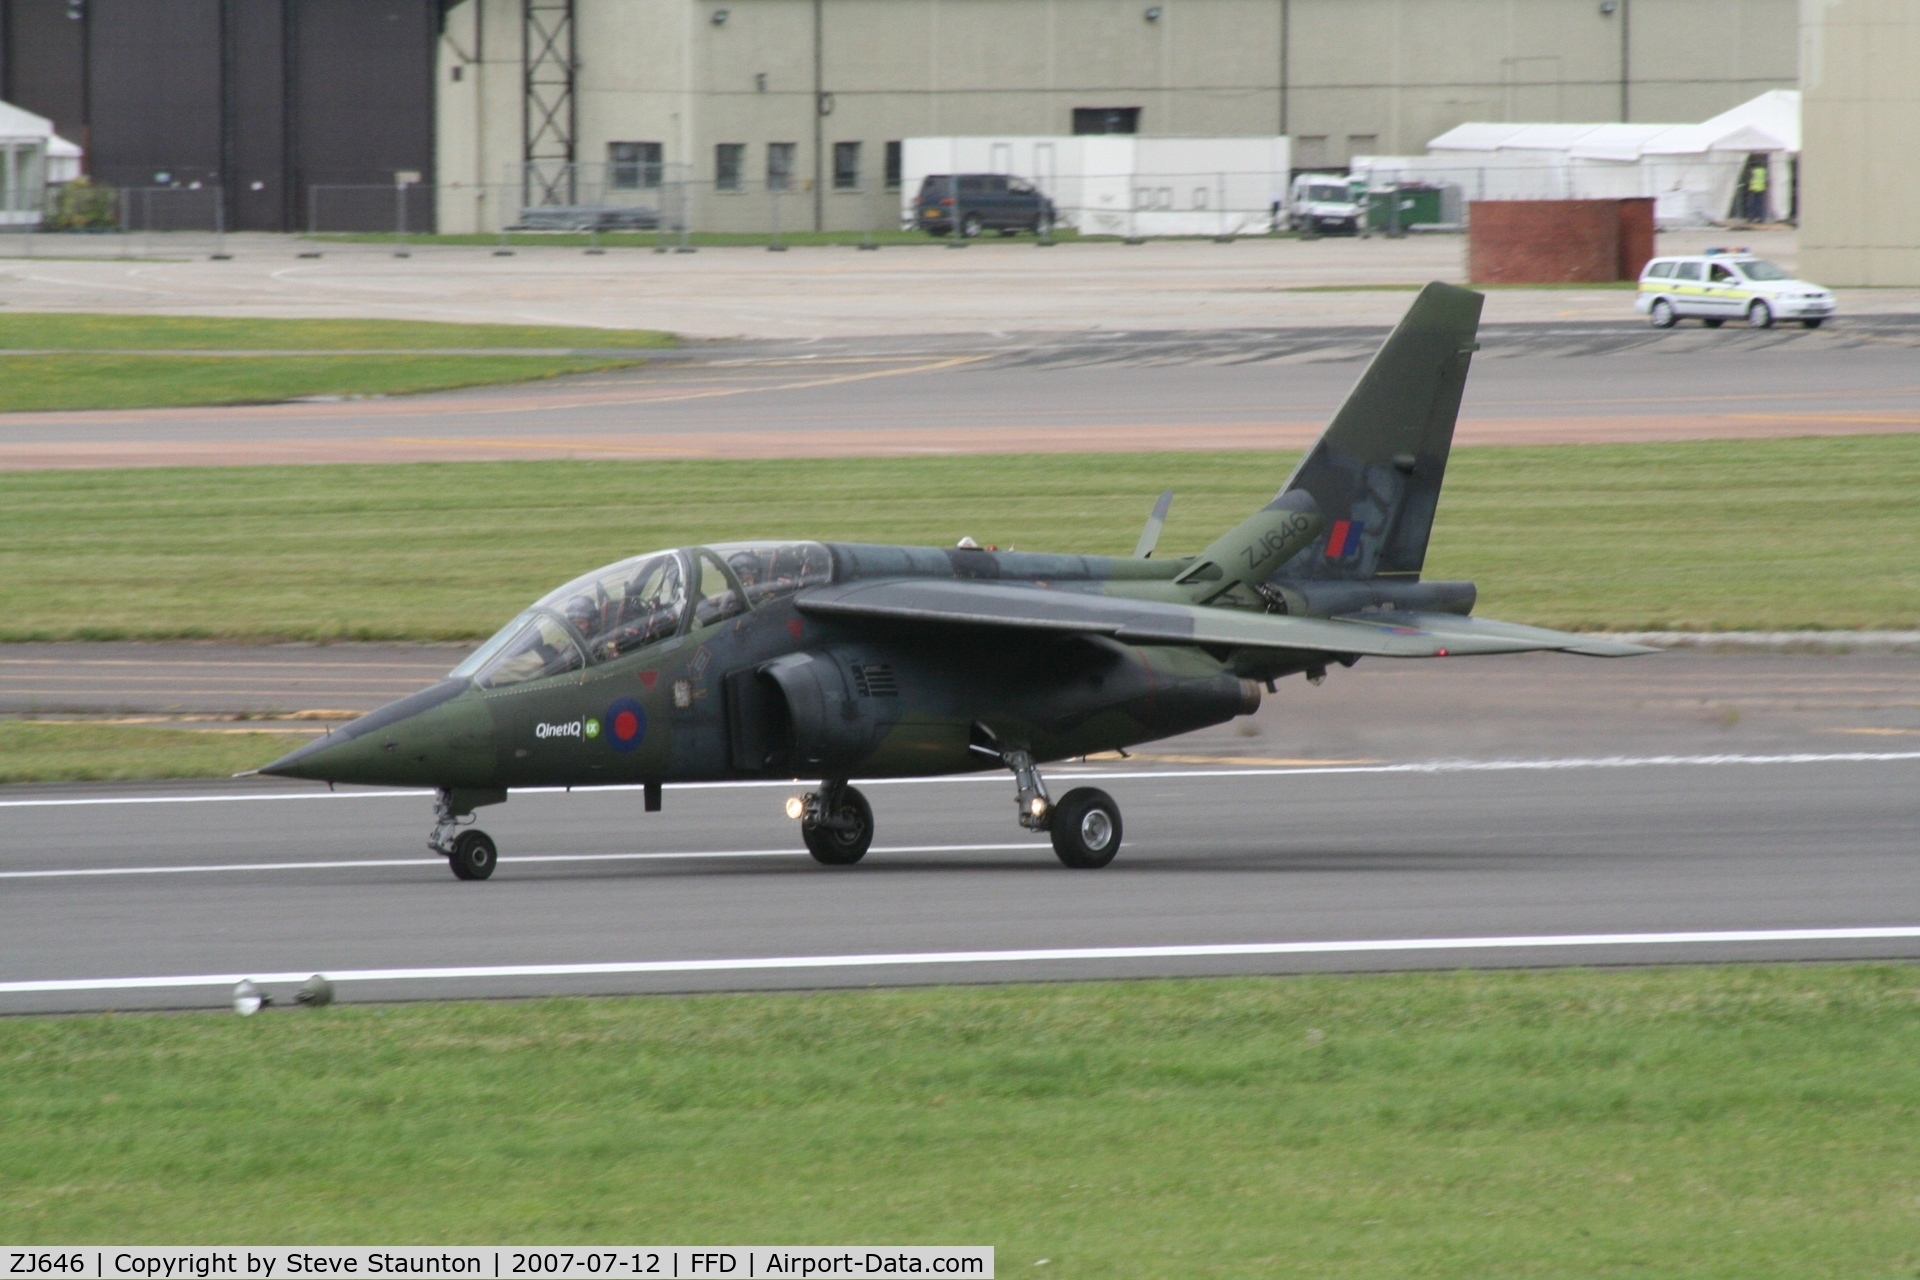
(1714, 322)
(1085, 827)
(1759, 315)
(1662, 315)
(970, 227)
(473, 856)
(833, 848)
(1814, 323)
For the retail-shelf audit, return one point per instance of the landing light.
(796, 808)
(1037, 806)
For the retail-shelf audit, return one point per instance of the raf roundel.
(626, 724)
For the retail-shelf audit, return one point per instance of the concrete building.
(811, 92)
(260, 100)
(1860, 122)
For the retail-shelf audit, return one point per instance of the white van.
(1322, 202)
(1717, 286)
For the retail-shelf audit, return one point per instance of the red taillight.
(946, 199)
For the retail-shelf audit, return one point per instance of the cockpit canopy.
(642, 601)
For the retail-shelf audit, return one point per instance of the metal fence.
(1393, 195)
(131, 220)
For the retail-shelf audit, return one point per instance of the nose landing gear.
(471, 853)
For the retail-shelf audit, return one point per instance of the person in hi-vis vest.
(1757, 193)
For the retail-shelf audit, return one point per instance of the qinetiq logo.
(572, 730)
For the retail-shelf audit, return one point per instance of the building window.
(632, 165)
(1310, 151)
(1106, 119)
(780, 166)
(846, 166)
(729, 158)
(893, 166)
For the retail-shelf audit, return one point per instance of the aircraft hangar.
(818, 94)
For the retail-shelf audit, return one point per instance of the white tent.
(1691, 170)
(32, 155)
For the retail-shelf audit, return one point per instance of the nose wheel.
(474, 856)
(469, 851)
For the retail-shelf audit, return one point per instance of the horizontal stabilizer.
(1535, 637)
(975, 604)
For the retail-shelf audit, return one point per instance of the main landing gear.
(837, 822)
(471, 853)
(1084, 823)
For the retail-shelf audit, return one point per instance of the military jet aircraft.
(840, 661)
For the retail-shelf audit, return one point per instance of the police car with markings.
(1721, 285)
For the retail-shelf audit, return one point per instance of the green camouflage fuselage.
(841, 700)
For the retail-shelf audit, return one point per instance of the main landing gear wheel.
(473, 856)
(1085, 827)
(843, 834)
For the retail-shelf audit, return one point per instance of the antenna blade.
(1150, 536)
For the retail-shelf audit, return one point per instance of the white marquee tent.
(1691, 170)
(32, 155)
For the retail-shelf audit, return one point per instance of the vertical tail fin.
(1375, 473)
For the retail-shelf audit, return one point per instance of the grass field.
(81, 751)
(1737, 1122)
(1815, 533)
(98, 374)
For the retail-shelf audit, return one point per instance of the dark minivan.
(978, 201)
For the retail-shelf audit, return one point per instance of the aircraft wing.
(992, 604)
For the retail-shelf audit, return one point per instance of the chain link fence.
(668, 207)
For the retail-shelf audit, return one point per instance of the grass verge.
(90, 370)
(47, 383)
(81, 331)
(84, 751)
(1710, 536)
(1737, 1122)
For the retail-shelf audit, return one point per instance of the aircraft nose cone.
(426, 738)
(309, 760)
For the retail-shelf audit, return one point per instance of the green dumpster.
(1418, 206)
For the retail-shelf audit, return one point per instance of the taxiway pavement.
(1531, 810)
(1541, 383)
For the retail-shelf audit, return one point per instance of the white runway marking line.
(1046, 955)
(61, 872)
(1069, 771)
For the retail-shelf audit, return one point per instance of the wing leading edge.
(1032, 608)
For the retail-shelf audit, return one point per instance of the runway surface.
(1533, 810)
(1050, 392)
